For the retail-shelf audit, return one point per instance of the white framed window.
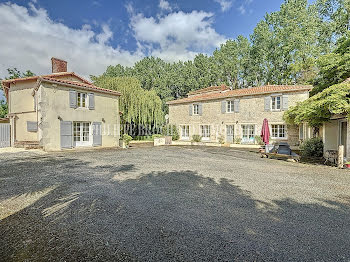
(278, 131)
(196, 109)
(185, 132)
(230, 107)
(82, 100)
(205, 131)
(248, 133)
(276, 102)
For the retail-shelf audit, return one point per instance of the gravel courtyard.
(171, 204)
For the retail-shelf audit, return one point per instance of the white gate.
(5, 135)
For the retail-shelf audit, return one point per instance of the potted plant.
(125, 141)
(347, 164)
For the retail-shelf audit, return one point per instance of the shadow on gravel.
(182, 216)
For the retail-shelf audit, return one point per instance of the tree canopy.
(138, 106)
(320, 107)
(284, 48)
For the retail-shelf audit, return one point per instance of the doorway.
(81, 133)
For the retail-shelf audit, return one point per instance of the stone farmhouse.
(237, 115)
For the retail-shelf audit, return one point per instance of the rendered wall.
(54, 104)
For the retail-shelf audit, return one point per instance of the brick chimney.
(58, 65)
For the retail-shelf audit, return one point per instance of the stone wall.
(251, 112)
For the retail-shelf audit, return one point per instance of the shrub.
(312, 147)
(143, 138)
(221, 139)
(196, 138)
(127, 139)
(156, 136)
(171, 130)
(258, 140)
(237, 140)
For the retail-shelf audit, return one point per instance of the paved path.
(171, 204)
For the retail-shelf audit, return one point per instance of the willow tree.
(139, 106)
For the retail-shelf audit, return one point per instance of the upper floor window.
(81, 100)
(278, 131)
(230, 106)
(276, 103)
(196, 109)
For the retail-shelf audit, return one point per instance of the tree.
(334, 67)
(138, 106)
(3, 108)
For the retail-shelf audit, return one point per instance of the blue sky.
(92, 34)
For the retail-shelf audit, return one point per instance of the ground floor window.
(248, 133)
(205, 131)
(185, 132)
(278, 131)
(81, 132)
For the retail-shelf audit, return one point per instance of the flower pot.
(347, 165)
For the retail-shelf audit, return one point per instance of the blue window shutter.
(236, 105)
(200, 109)
(97, 134)
(223, 107)
(267, 103)
(285, 102)
(190, 109)
(72, 99)
(66, 133)
(32, 126)
(91, 101)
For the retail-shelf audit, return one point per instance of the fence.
(5, 135)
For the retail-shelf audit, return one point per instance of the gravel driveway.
(171, 204)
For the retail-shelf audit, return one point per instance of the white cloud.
(30, 38)
(225, 4)
(164, 5)
(176, 36)
(242, 9)
(36, 38)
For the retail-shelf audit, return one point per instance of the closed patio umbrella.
(265, 132)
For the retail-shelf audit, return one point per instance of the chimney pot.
(58, 65)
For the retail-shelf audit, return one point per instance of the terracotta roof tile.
(79, 84)
(9, 81)
(241, 92)
(209, 89)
